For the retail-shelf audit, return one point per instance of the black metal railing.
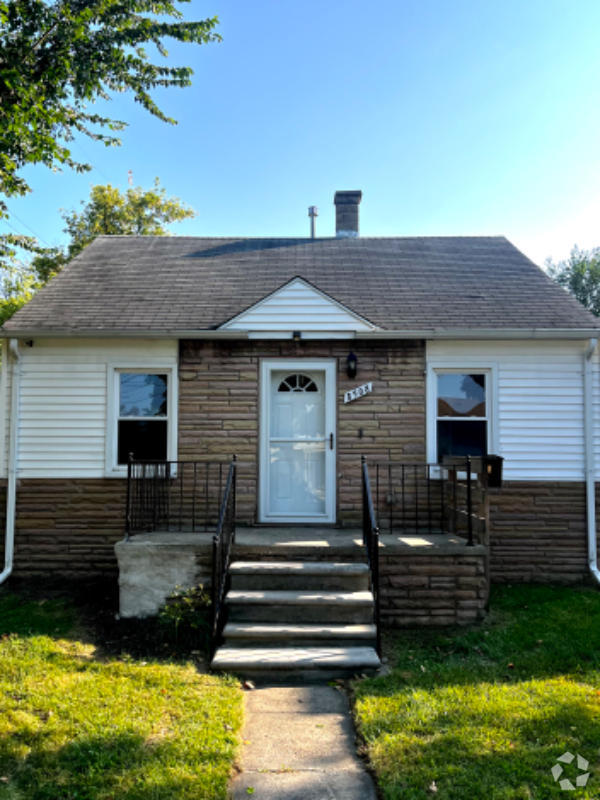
(223, 542)
(417, 499)
(371, 543)
(173, 495)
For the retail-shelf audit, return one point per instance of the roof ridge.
(295, 238)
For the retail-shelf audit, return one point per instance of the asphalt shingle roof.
(147, 283)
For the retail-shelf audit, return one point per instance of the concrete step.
(298, 575)
(300, 607)
(320, 662)
(248, 634)
(293, 567)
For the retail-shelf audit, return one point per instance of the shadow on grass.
(87, 611)
(123, 767)
(485, 712)
(531, 631)
(476, 752)
(461, 773)
(23, 617)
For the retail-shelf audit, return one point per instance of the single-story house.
(300, 356)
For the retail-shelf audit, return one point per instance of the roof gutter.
(590, 467)
(483, 333)
(11, 492)
(125, 334)
(424, 333)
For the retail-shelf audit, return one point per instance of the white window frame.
(154, 367)
(462, 366)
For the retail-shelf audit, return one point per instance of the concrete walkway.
(300, 746)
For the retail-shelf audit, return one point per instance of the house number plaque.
(360, 391)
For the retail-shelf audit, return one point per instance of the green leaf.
(58, 56)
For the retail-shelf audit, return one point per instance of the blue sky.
(453, 117)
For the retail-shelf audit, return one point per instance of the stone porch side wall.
(436, 590)
(539, 532)
(219, 396)
(68, 527)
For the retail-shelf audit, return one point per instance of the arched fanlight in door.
(297, 383)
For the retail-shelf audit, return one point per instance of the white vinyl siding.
(63, 408)
(539, 404)
(298, 306)
(596, 404)
(5, 398)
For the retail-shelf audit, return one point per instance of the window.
(297, 383)
(143, 419)
(462, 407)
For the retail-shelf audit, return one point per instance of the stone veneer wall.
(219, 396)
(538, 532)
(432, 590)
(69, 526)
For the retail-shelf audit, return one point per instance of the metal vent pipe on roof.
(313, 213)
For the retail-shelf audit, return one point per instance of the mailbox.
(493, 467)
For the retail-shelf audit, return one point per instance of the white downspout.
(590, 467)
(11, 493)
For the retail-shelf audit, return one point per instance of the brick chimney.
(346, 214)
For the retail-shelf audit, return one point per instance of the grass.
(77, 724)
(486, 712)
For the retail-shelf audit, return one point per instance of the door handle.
(331, 441)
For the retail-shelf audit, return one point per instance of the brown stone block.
(462, 581)
(442, 612)
(392, 569)
(433, 594)
(408, 580)
(443, 570)
(436, 582)
(468, 604)
(395, 593)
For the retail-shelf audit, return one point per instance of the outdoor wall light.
(297, 336)
(352, 362)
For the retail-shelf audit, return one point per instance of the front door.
(298, 441)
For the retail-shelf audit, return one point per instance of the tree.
(108, 212)
(56, 58)
(580, 276)
(18, 287)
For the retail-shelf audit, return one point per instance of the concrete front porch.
(430, 579)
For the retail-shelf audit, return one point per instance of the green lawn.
(486, 712)
(74, 724)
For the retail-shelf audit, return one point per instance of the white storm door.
(298, 442)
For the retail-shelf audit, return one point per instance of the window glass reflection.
(461, 395)
(142, 395)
